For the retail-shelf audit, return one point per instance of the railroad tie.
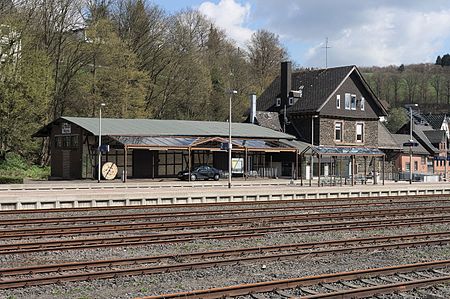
(387, 279)
(258, 296)
(404, 276)
(349, 284)
(368, 281)
(423, 274)
(307, 291)
(440, 272)
(283, 294)
(330, 287)
(429, 295)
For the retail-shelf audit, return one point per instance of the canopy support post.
(318, 169)
(189, 164)
(125, 160)
(245, 164)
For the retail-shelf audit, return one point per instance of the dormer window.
(278, 102)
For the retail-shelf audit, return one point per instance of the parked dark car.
(204, 172)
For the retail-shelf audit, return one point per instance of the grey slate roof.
(419, 131)
(269, 120)
(385, 138)
(318, 85)
(435, 136)
(403, 138)
(435, 120)
(157, 127)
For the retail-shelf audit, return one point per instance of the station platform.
(71, 194)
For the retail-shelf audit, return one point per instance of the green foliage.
(131, 55)
(396, 119)
(15, 168)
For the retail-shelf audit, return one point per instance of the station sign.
(410, 144)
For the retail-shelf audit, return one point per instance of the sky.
(359, 32)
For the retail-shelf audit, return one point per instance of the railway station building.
(150, 148)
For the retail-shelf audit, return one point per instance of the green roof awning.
(172, 128)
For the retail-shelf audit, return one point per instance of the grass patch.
(15, 169)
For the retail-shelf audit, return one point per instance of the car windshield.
(201, 168)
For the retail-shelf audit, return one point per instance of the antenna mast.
(326, 52)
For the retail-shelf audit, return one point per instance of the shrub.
(16, 168)
(10, 180)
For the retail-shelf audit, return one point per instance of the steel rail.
(382, 289)
(165, 225)
(270, 286)
(429, 237)
(104, 274)
(29, 247)
(201, 205)
(178, 214)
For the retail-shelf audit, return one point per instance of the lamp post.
(312, 144)
(410, 106)
(100, 142)
(232, 92)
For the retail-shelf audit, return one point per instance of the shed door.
(66, 164)
(143, 163)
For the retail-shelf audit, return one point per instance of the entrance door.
(143, 163)
(66, 164)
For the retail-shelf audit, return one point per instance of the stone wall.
(326, 133)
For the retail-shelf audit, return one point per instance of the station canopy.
(201, 142)
(342, 151)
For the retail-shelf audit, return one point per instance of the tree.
(445, 60)
(438, 61)
(396, 119)
(436, 81)
(411, 81)
(265, 54)
(25, 94)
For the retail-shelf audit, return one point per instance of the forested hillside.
(65, 57)
(425, 84)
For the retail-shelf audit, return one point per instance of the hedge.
(10, 180)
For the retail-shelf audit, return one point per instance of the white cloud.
(369, 32)
(396, 37)
(231, 17)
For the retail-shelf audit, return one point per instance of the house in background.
(438, 122)
(420, 157)
(334, 110)
(433, 139)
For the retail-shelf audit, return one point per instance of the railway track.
(45, 274)
(219, 222)
(220, 204)
(352, 284)
(139, 240)
(180, 214)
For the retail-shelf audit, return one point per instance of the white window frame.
(291, 101)
(347, 101)
(363, 103)
(278, 102)
(353, 102)
(338, 101)
(359, 124)
(341, 125)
